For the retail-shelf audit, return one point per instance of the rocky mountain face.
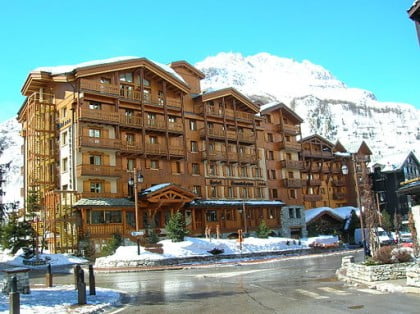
(327, 106)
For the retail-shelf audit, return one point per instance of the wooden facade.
(87, 129)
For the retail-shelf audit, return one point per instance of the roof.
(188, 66)
(340, 213)
(319, 137)
(276, 105)
(199, 203)
(104, 202)
(410, 188)
(217, 93)
(155, 188)
(393, 162)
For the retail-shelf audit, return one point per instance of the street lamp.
(136, 179)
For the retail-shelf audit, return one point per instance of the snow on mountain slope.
(10, 152)
(327, 105)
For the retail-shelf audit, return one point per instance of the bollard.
(76, 276)
(14, 297)
(92, 289)
(81, 293)
(49, 276)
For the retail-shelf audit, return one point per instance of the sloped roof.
(393, 162)
(210, 94)
(104, 202)
(340, 213)
(317, 136)
(267, 108)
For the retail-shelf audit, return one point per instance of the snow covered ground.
(63, 299)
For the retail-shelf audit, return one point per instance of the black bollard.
(92, 289)
(76, 271)
(14, 297)
(49, 277)
(81, 293)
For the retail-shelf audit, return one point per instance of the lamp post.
(345, 171)
(136, 179)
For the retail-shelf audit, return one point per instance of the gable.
(210, 95)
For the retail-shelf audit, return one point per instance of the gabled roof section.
(270, 107)
(316, 213)
(364, 149)
(394, 162)
(189, 67)
(317, 137)
(70, 72)
(166, 193)
(339, 147)
(230, 91)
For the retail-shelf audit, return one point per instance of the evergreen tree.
(386, 221)
(112, 245)
(176, 228)
(263, 231)
(16, 234)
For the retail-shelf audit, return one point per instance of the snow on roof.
(392, 162)
(154, 188)
(61, 69)
(269, 105)
(341, 212)
(104, 202)
(343, 154)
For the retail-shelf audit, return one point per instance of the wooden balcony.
(288, 129)
(100, 195)
(131, 148)
(247, 137)
(98, 170)
(156, 149)
(292, 183)
(338, 196)
(131, 121)
(247, 158)
(229, 113)
(233, 156)
(101, 88)
(213, 133)
(312, 198)
(315, 182)
(288, 146)
(155, 124)
(325, 169)
(175, 127)
(244, 116)
(99, 115)
(213, 111)
(213, 156)
(99, 142)
(173, 103)
(42, 98)
(316, 154)
(176, 151)
(104, 229)
(338, 183)
(291, 164)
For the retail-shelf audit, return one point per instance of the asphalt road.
(297, 285)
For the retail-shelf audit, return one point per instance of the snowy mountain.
(10, 153)
(327, 105)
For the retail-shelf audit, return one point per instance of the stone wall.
(413, 275)
(288, 222)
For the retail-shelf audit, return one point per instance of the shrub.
(384, 255)
(176, 228)
(263, 231)
(112, 245)
(402, 255)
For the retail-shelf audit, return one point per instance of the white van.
(383, 236)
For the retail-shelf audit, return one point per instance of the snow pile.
(200, 247)
(61, 299)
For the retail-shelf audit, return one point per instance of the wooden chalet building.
(414, 14)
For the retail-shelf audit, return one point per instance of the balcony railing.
(131, 148)
(176, 151)
(291, 164)
(338, 183)
(289, 129)
(246, 137)
(156, 124)
(214, 133)
(130, 121)
(99, 115)
(99, 142)
(175, 127)
(100, 195)
(292, 183)
(317, 154)
(156, 149)
(101, 88)
(98, 170)
(104, 229)
(247, 158)
(315, 182)
(290, 146)
(213, 155)
(312, 198)
(41, 98)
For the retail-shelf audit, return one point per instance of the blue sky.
(367, 44)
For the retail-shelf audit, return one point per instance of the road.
(297, 285)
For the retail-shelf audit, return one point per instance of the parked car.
(383, 236)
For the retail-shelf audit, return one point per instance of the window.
(171, 119)
(64, 140)
(104, 216)
(96, 187)
(211, 215)
(269, 137)
(287, 138)
(290, 175)
(258, 192)
(154, 164)
(273, 174)
(292, 194)
(211, 147)
(93, 105)
(291, 212)
(270, 155)
(153, 139)
(160, 98)
(212, 169)
(244, 172)
(195, 168)
(129, 112)
(126, 77)
(64, 164)
(130, 164)
(95, 160)
(146, 83)
(193, 125)
(210, 125)
(151, 116)
(129, 137)
(177, 167)
(274, 193)
(268, 117)
(213, 191)
(105, 80)
(94, 133)
(288, 156)
(64, 112)
(197, 190)
(298, 213)
(194, 146)
(228, 169)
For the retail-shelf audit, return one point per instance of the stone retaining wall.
(413, 275)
